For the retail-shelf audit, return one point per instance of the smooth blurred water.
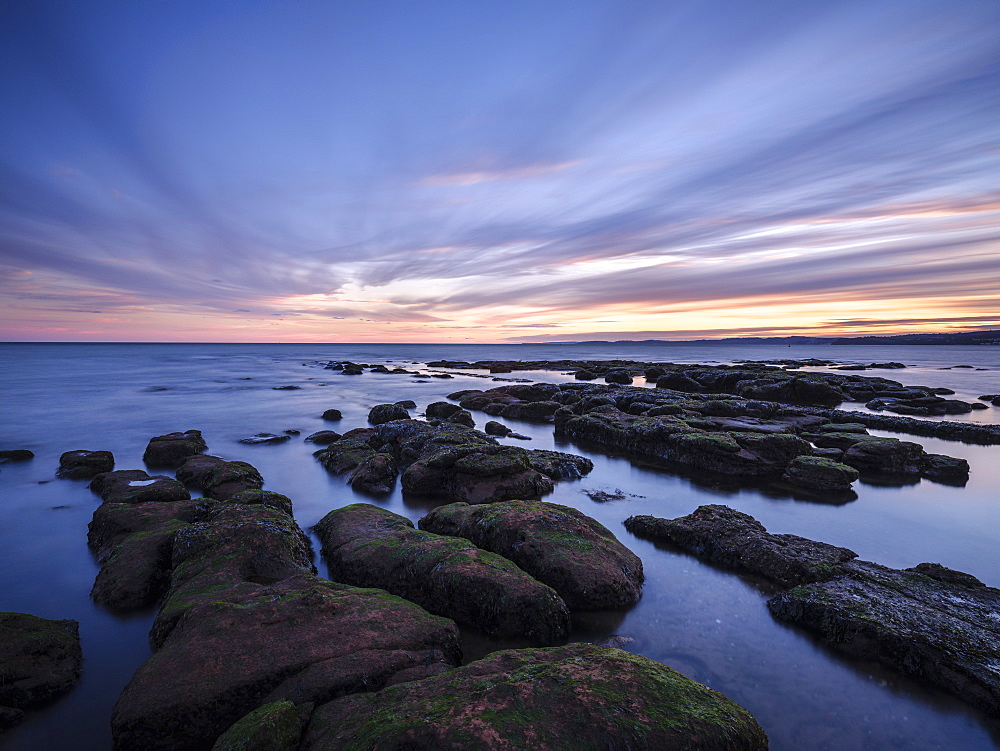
(712, 625)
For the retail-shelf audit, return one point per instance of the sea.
(710, 624)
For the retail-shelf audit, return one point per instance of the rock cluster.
(928, 621)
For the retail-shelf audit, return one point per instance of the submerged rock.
(39, 659)
(371, 547)
(258, 438)
(560, 546)
(172, 449)
(578, 696)
(83, 465)
(736, 540)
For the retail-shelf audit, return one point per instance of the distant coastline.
(964, 337)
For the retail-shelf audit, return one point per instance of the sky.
(436, 171)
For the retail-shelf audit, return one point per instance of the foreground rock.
(562, 547)
(274, 727)
(738, 541)
(83, 465)
(942, 627)
(578, 696)
(39, 659)
(247, 623)
(820, 473)
(368, 546)
(172, 449)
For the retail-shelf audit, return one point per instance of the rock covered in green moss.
(273, 727)
(560, 546)
(229, 478)
(559, 465)
(376, 474)
(83, 465)
(365, 545)
(577, 697)
(39, 659)
(731, 538)
(172, 449)
(382, 413)
(942, 628)
(137, 571)
(820, 473)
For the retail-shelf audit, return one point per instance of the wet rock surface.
(736, 540)
(370, 547)
(135, 486)
(263, 438)
(170, 450)
(16, 455)
(383, 413)
(39, 659)
(560, 546)
(579, 696)
(937, 628)
(820, 473)
(83, 465)
(274, 727)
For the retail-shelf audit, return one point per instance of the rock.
(267, 498)
(16, 455)
(229, 478)
(257, 438)
(383, 413)
(935, 630)
(172, 449)
(137, 571)
(678, 382)
(948, 470)
(83, 465)
(292, 431)
(535, 698)
(618, 376)
(376, 474)
(323, 437)
(407, 404)
(332, 415)
(441, 410)
(462, 417)
(9, 717)
(540, 411)
(559, 465)
(886, 455)
(196, 470)
(135, 486)
(286, 388)
(274, 727)
(368, 546)
(246, 623)
(738, 541)
(39, 659)
(496, 428)
(348, 452)
(820, 473)
(968, 432)
(112, 523)
(584, 375)
(947, 575)
(558, 545)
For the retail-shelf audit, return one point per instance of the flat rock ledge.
(246, 622)
(736, 540)
(930, 622)
(579, 697)
(577, 556)
(39, 659)
(367, 546)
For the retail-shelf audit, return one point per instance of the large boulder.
(273, 727)
(172, 449)
(370, 547)
(886, 455)
(736, 540)
(578, 696)
(39, 659)
(476, 474)
(560, 546)
(938, 626)
(83, 465)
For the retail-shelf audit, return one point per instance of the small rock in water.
(16, 455)
(265, 438)
(332, 414)
(285, 388)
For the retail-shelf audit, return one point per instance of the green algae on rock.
(578, 697)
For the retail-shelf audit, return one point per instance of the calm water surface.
(710, 624)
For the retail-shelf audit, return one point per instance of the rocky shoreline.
(253, 647)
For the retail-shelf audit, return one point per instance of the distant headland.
(963, 337)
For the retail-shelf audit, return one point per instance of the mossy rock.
(578, 697)
(273, 727)
(39, 659)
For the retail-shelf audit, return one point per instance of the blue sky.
(515, 171)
